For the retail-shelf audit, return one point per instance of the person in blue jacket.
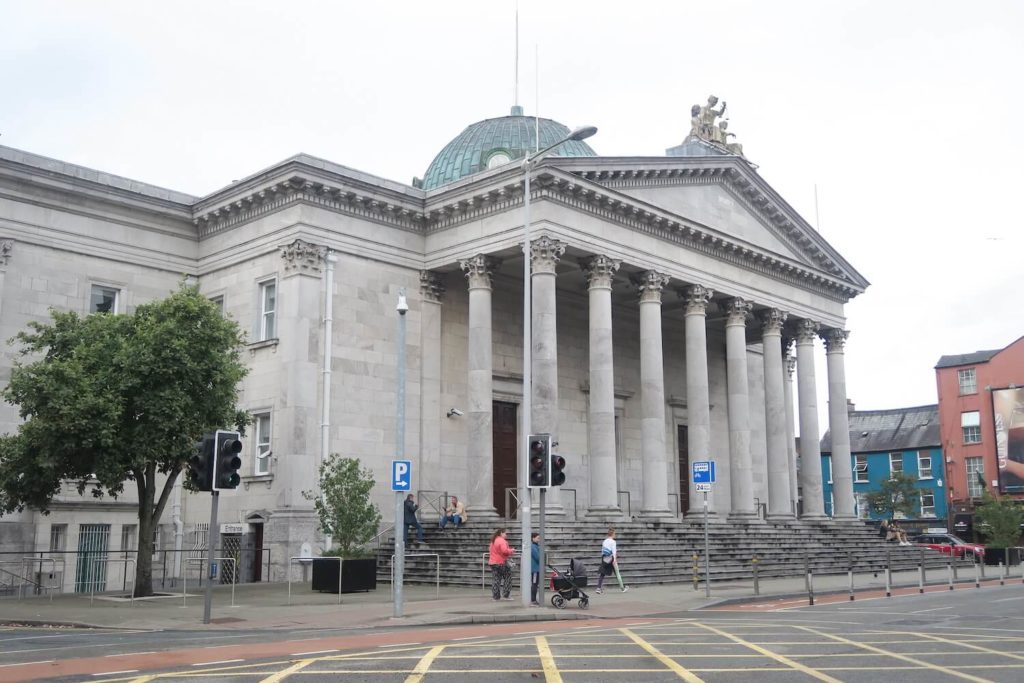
(534, 568)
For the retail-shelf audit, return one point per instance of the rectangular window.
(863, 509)
(261, 430)
(58, 537)
(129, 535)
(104, 299)
(970, 423)
(827, 464)
(218, 301)
(924, 466)
(860, 468)
(968, 381)
(927, 504)
(975, 477)
(268, 310)
(895, 464)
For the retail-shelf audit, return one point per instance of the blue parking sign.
(704, 472)
(401, 475)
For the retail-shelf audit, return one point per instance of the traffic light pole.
(540, 530)
(212, 538)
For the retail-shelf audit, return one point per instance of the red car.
(951, 545)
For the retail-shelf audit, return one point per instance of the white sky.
(906, 115)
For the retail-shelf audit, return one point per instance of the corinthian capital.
(834, 338)
(806, 331)
(650, 284)
(544, 254)
(431, 286)
(479, 270)
(600, 270)
(696, 298)
(737, 310)
(772, 320)
(303, 257)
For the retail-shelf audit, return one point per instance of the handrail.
(511, 494)
(435, 504)
(629, 504)
(23, 579)
(437, 571)
(31, 560)
(381, 534)
(108, 560)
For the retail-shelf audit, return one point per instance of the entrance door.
(91, 570)
(257, 552)
(682, 437)
(504, 443)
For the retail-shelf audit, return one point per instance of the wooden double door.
(505, 441)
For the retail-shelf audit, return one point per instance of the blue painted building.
(898, 440)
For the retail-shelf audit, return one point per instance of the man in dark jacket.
(410, 519)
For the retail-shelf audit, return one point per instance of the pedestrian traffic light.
(226, 460)
(557, 475)
(200, 465)
(539, 475)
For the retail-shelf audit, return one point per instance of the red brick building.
(981, 418)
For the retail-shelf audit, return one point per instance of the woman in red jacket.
(501, 572)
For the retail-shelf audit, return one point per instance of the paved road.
(961, 635)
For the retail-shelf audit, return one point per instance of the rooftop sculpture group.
(703, 125)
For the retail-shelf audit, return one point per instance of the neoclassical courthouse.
(673, 299)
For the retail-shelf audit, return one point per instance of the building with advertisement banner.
(981, 416)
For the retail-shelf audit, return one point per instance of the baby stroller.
(566, 586)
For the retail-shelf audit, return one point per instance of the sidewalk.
(267, 606)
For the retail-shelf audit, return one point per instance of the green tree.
(898, 494)
(108, 399)
(999, 519)
(343, 504)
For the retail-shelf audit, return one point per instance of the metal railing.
(438, 503)
(511, 496)
(107, 560)
(629, 505)
(437, 572)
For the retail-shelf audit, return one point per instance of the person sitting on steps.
(454, 513)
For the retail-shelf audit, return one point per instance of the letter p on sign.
(401, 475)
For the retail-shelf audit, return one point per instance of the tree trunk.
(150, 511)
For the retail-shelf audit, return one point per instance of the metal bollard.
(696, 571)
(920, 572)
(757, 585)
(809, 579)
(977, 576)
(949, 572)
(888, 573)
(924, 568)
(1002, 574)
(980, 561)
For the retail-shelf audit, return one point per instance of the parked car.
(950, 544)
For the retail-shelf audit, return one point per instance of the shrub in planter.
(999, 519)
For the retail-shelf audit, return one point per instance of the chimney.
(850, 407)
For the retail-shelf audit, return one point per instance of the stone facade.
(618, 368)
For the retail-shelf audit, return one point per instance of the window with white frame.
(970, 423)
(104, 299)
(895, 464)
(58, 537)
(924, 466)
(860, 468)
(975, 476)
(129, 536)
(827, 463)
(927, 504)
(261, 430)
(218, 301)
(968, 381)
(156, 541)
(268, 310)
(863, 509)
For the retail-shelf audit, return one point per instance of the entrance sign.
(704, 472)
(401, 475)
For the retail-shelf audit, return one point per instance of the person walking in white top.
(609, 562)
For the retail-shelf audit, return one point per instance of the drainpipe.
(325, 416)
(179, 526)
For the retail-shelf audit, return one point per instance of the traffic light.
(200, 465)
(226, 461)
(540, 461)
(557, 466)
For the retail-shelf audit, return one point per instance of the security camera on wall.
(455, 412)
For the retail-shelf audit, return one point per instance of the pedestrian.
(534, 568)
(610, 562)
(501, 562)
(454, 513)
(410, 519)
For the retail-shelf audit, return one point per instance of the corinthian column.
(545, 253)
(480, 418)
(789, 365)
(839, 423)
(810, 451)
(652, 397)
(698, 402)
(779, 494)
(432, 473)
(601, 415)
(741, 486)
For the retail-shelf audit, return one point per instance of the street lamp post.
(523, 509)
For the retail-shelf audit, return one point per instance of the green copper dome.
(494, 142)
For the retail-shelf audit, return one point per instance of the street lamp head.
(403, 305)
(582, 133)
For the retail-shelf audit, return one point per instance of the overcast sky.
(906, 116)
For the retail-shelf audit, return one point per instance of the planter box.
(356, 575)
(1008, 556)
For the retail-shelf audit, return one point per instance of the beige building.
(667, 294)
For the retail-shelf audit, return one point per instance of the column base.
(744, 517)
(657, 513)
(483, 512)
(780, 517)
(605, 512)
(556, 510)
(817, 517)
(845, 518)
(699, 514)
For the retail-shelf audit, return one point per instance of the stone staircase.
(655, 552)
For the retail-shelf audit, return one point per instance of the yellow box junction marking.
(547, 661)
(423, 665)
(672, 664)
(979, 648)
(285, 673)
(896, 655)
(772, 655)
